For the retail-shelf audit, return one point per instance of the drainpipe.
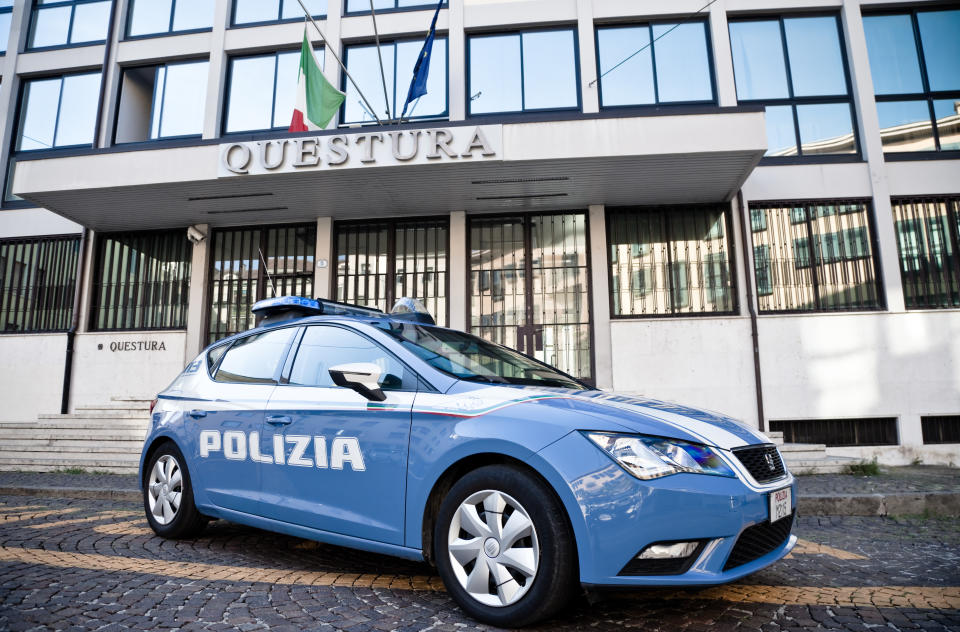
(74, 323)
(748, 275)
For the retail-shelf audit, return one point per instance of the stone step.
(115, 414)
(827, 465)
(776, 436)
(51, 424)
(112, 408)
(81, 452)
(802, 447)
(69, 434)
(123, 446)
(142, 400)
(112, 466)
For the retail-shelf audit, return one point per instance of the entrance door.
(549, 316)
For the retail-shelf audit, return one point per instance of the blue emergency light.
(274, 310)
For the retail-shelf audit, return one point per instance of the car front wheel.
(168, 495)
(503, 548)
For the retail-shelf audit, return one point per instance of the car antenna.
(267, 270)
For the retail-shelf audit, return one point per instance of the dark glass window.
(378, 263)
(814, 256)
(142, 280)
(162, 102)
(674, 69)
(913, 61)
(249, 264)
(929, 248)
(795, 66)
(68, 22)
(58, 111)
(518, 72)
(399, 58)
(261, 91)
(37, 280)
(363, 6)
(6, 13)
(255, 359)
(260, 11)
(671, 260)
(323, 347)
(156, 17)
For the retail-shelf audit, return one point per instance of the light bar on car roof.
(274, 310)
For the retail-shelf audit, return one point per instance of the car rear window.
(254, 359)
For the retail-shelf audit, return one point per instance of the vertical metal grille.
(241, 261)
(941, 429)
(498, 279)
(37, 282)
(927, 241)
(839, 432)
(814, 256)
(379, 262)
(671, 260)
(142, 280)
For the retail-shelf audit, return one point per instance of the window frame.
(794, 101)
(649, 24)
(523, 110)
(426, 6)
(952, 206)
(64, 272)
(280, 20)
(928, 96)
(33, 8)
(153, 99)
(16, 137)
(128, 20)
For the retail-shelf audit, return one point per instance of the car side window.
(254, 359)
(324, 347)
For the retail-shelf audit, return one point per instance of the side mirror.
(363, 377)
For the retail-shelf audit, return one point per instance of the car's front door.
(341, 459)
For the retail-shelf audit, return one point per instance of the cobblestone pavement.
(84, 565)
(891, 480)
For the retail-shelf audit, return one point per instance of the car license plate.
(779, 504)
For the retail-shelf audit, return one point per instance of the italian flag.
(317, 99)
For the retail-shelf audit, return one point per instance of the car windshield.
(468, 357)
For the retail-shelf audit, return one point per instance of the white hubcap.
(165, 489)
(493, 548)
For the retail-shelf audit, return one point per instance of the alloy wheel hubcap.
(165, 489)
(493, 548)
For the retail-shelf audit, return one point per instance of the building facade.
(751, 208)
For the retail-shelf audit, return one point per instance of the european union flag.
(418, 85)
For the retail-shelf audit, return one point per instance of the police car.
(521, 484)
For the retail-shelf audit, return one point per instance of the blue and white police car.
(521, 484)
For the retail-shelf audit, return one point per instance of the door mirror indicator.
(363, 377)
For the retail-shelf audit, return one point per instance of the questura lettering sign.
(138, 345)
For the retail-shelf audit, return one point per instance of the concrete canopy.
(552, 165)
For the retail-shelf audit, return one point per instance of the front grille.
(762, 461)
(758, 540)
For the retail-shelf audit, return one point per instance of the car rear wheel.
(168, 495)
(503, 547)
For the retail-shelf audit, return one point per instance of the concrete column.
(218, 69)
(111, 78)
(459, 318)
(10, 85)
(323, 286)
(602, 346)
(722, 58)
(457, 55)
(590, 94)
(746, 278)
(868, 126)
(86, 285)
(197, 306)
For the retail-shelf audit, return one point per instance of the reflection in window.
(681, 73)
(919, 110)
(37, 282)
(58, 112)
(795, 66)
(363, 6)
(324, 347)
(671, 260)
(153, 17)
(516, 72)
(262, 91)
(162, 102)
(814, 256)
(259, 11)
(6, 12)
(929, 251)
(63, 22)
(399, 58)
(255, 359)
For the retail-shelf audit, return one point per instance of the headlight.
(653, 457)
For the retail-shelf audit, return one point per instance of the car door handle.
(278, 420)
(197, 414)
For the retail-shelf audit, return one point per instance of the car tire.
(168, 495)
(484, 516)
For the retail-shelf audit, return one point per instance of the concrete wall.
(31, 375)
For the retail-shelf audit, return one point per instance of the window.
(37, 280)
(249, 264)
(142, 280)
(674, 69)
(58, 112)
(260, 11)
(68, 22)
(671, 260)
(324, 347)
(916, 79)
(158, 17)
(363, 6)
(6, 14)
(377, 263)
(262, 91)
(839, 432)
(940, 429)
(796, 67)
(399, 58)
(255, 359)
(520, 72)
(162, 102)
(929, 248)
(814, 256)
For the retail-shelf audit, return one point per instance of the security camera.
(195, 235)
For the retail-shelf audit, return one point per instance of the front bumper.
(615, 516)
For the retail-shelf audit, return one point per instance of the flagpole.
(383, 76)
(335, 56)
(433, 24)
